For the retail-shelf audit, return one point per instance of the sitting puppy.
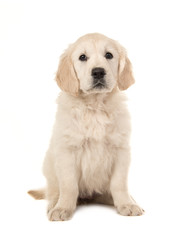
(89, 153)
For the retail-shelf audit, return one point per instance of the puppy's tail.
(37, 194)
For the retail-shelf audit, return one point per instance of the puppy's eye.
(83, 57)
(108, 55)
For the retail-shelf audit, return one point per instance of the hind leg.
(52, 196)
(52, 190)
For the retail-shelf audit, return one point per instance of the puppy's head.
(94, 64)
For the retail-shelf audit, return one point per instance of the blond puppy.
(89, 153)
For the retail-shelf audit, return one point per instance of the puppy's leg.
(66, 173)
(119, 188)
(52, 194)
(52, 189)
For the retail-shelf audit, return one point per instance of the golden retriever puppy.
(89, 153)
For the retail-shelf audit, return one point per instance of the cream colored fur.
(89, 153)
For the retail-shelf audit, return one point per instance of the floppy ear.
(125, 78)
(66, 77)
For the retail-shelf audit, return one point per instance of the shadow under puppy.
(89, 153)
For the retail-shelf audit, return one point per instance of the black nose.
(98, 73)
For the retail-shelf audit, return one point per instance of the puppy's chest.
(97, 127)
(95, 148)
(95, 124)
(95, 156)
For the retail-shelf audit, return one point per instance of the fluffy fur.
(89, 153)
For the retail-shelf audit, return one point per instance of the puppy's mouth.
(100, 84)
(98, 78)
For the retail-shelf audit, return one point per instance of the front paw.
(60, 214)
(130, 210)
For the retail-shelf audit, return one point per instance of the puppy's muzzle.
(98, 77)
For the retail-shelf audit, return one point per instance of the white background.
(33, 34)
